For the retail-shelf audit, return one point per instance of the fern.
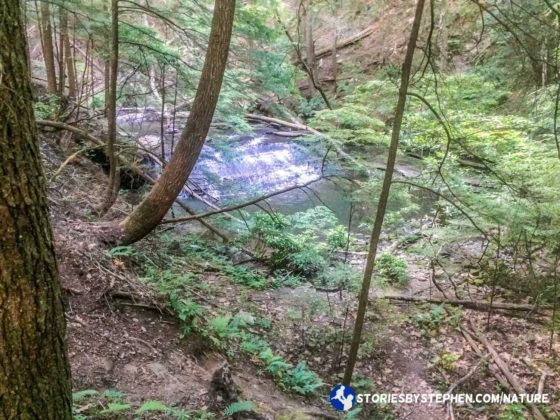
(302, 380)
(80, 395)
(113, 394)
(122, 251)
(150, 406)
(116, 408)
(239, 407)
(353, 414)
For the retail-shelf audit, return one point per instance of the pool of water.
(234, 168)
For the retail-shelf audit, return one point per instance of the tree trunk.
(443, 37)
(111, 108)
(34, 370)
(63, 21)
(72, 88)
(154, 207)
(384, 195)
(334, 59)
(310, 46)
(48, 49)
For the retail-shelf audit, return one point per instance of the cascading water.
(237, 168)
(250, 165)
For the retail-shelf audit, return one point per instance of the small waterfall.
(257, 164)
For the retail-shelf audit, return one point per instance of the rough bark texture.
(111, 107)
(154, 207)
(384, 196)
(63, 21)
(34, 371)
(48, 49)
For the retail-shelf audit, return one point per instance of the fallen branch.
(73, 129)
(241, 205)
(472, 304)
(465, 378)
(70, 159)
(507, 373)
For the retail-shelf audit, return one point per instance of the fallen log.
(472, 304)
(289, 133)
(505, 371)
(345, 43)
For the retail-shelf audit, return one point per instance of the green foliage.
(113, 394)
(353, 414)
(286, 279)
(220, 329)
(47, 108)
(122, 251)
(448, 360)
(239, 407)
(392, 269)
(513, 412)
(245, 276)
(152, 406)
(78, 396)
(308, 107)
(302, 243)
(302, 380)
(111, 404)
(351, 124)
(432, 319)
(340, 275)
(113, 408)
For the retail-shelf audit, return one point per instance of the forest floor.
(122, 335)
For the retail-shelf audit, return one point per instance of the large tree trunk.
(34, 370)
(48, 49)
(384, 196)
(154, 207)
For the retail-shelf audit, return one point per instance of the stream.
(235, 167)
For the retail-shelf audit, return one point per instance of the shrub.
(392, 269)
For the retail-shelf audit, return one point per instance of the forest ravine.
(215, 174)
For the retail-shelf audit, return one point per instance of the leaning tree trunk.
(48, 49)
(154, 207)
(384, 196)
(34, 370)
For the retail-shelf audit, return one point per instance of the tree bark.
(310, 46)
(63, 22)
(384, 195)
(154, 207)
(111, 107)
(34, 369)
(69, 58)
(48, 49)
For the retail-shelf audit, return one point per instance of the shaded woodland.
(224, 209)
